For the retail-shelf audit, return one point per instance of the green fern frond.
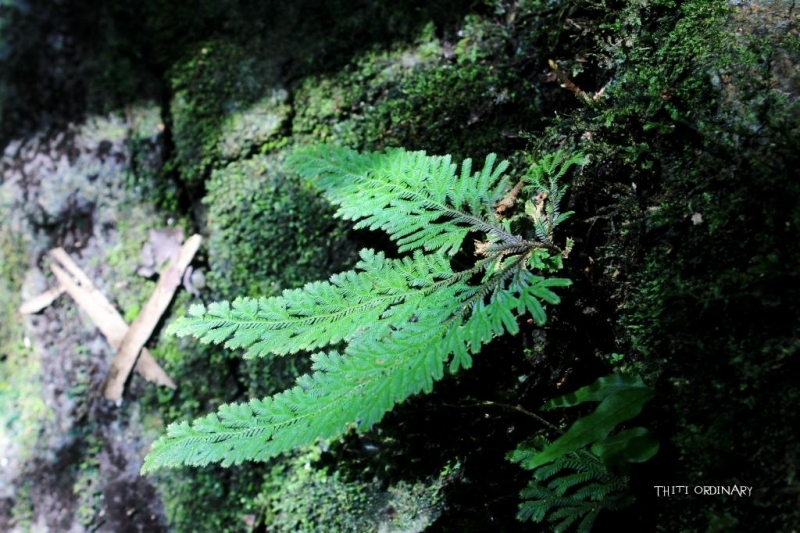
(569, 485)
(533, 510)
(523, 453)
(400, 320)
(545, 174)
(343, 391)
(569, 481)
(547, 193)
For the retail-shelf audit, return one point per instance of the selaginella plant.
(391, 325)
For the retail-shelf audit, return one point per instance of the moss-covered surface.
(301, 495)
(686, 229)
(22, 409)
(694, 242)
(212, 93)
(269, 231)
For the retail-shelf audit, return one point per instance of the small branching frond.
(546, 193)
(570, 491)
(545, 174)
(398, 322)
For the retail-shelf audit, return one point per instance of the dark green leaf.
(599, 390)
(612, 411)
(634, 445)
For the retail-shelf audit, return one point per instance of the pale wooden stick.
(39, 302)
(60, 255)
(104, 315)
(144, 324)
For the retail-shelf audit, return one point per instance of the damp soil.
(62, 188)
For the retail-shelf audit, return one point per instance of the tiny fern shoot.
(401, 321)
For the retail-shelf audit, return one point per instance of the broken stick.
(144, 324)
(106, 318)
(37, 303)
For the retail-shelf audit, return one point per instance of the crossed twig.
(127, 341)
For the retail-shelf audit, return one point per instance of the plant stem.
(517, 408)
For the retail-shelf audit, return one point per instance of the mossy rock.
(227, 103)
(697, 204)
(300, 495)
(461, 98)
(269, 230)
